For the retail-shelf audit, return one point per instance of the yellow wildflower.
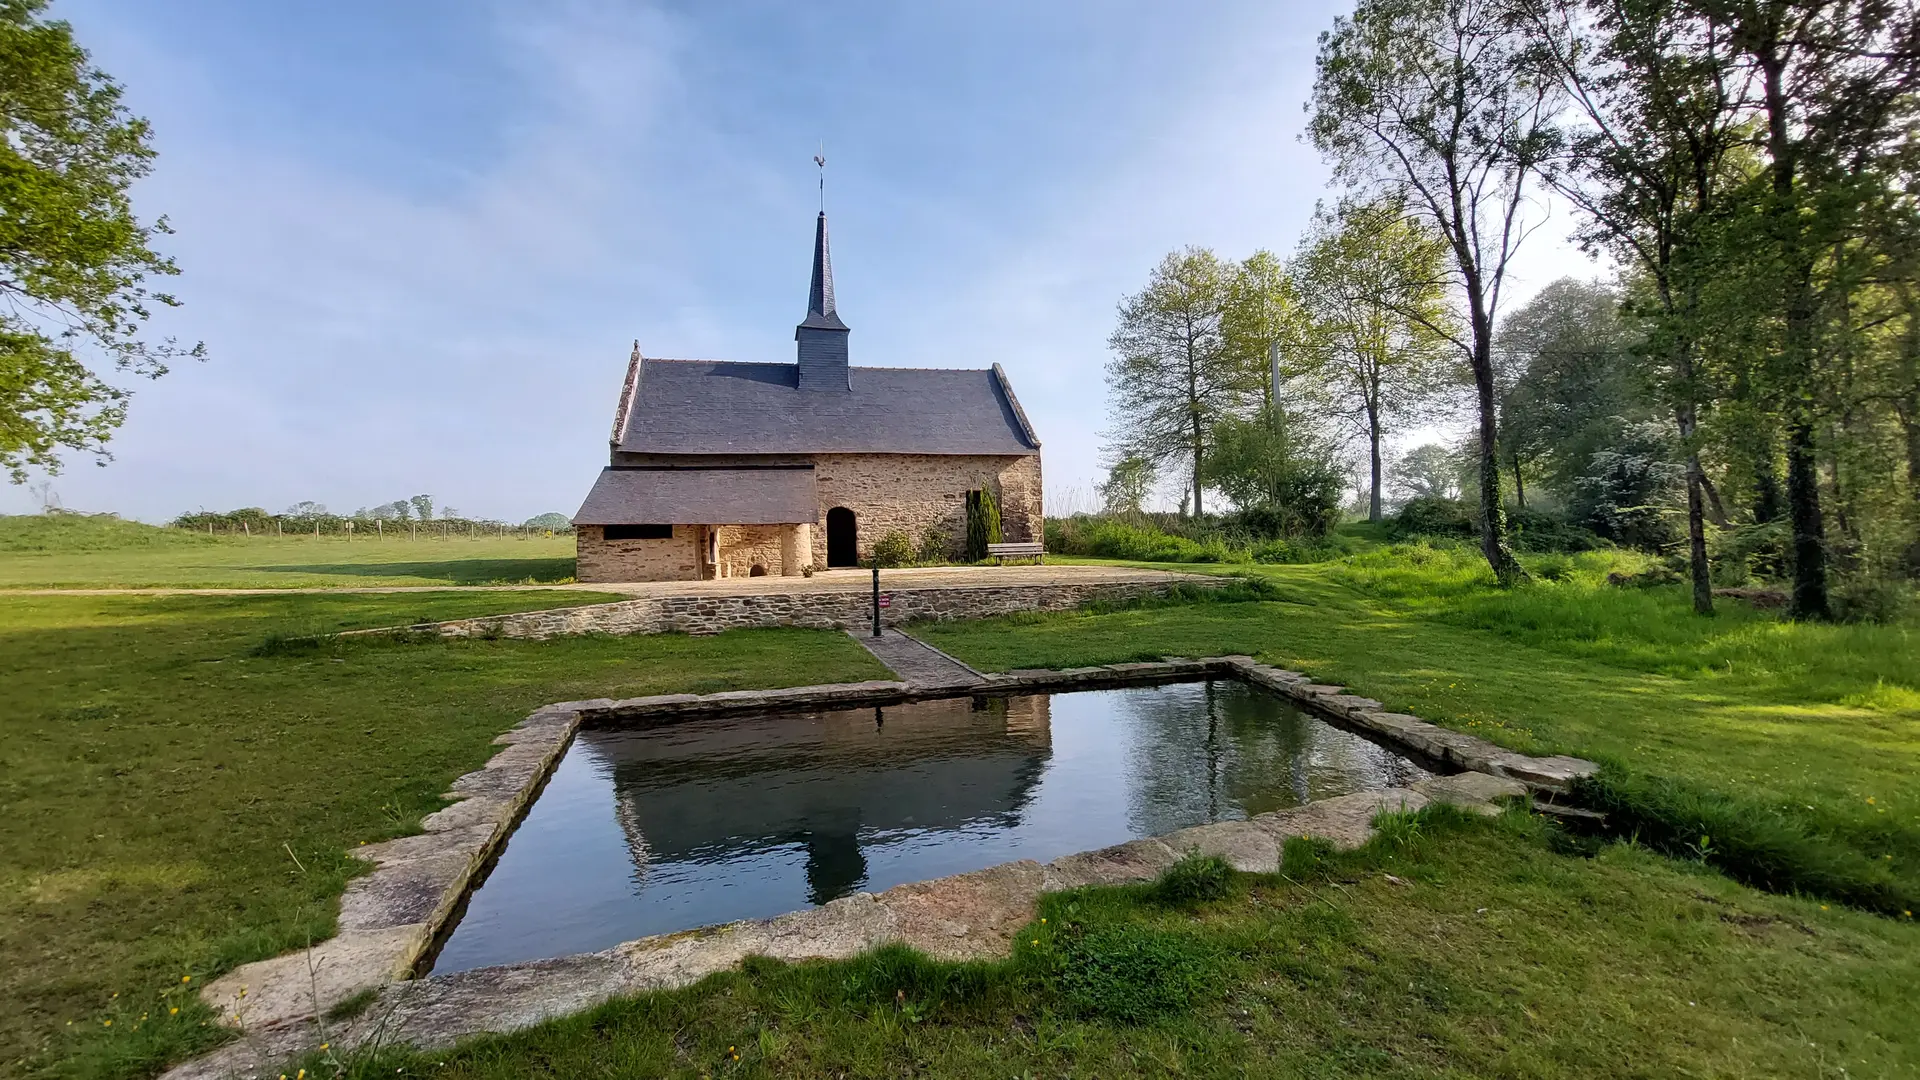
(186, 978)
(106, 1023)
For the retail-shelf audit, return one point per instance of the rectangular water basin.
(706, 821)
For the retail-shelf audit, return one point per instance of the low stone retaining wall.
(702, 613)
(390, 917)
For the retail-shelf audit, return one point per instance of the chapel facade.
(725, 469)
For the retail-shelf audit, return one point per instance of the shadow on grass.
(457, 571)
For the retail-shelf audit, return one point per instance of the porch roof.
(701, 495)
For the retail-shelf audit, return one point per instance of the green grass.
(1492, 955)
(74, 551)
(173, 804)
(1816, 725)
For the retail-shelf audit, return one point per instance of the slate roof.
(719, 407)
(699, 495)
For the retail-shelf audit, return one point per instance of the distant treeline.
(416, 520)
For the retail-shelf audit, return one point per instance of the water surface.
(651, 831)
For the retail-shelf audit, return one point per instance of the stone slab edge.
(277, 1002)
(390, 916)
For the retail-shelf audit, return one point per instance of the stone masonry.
(711, 613)
(921, 493)
(389, 916)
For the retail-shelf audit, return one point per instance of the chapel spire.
(820, 312)
(821, 336)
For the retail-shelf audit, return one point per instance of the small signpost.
(877, 603)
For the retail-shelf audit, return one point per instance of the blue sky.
(419, 239)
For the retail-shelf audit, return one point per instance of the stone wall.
(706, 614)
(915, 493)
(741, 546)
(600, 559)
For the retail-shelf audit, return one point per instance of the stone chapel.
(725, 469)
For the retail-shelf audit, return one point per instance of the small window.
(639, 532)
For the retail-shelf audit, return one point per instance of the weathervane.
(820, 159)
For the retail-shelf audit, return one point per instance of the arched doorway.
(843, 540)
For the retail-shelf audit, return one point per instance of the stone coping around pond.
(392, 916)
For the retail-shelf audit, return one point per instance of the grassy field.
(1817, 724)
(177, 801)
(1450, 947)
(72, 551)
(175, 805)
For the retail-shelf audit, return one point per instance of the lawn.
(74, 551)
(1815, 722)
(177, 801)
(1450, 947)
(175, 805)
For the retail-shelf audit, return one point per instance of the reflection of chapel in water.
(831, 782)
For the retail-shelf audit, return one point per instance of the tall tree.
(1836, 96)
(1263, 314)
(1575, 388)
(1372, 285)
(74, 260)
(1652, 157)
(1439, 103)
(1173, 375)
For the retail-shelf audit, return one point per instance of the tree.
(1275, 473)
(422, 507)
(1837, 82)
(1129, 482)
(74, 260)
(1372, 287)
(1574, 387)
(1439, 103)
(1172, 374)
(1429, 471)
(1654, 152)
(1262, 318)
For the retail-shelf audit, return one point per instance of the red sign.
(886, 601)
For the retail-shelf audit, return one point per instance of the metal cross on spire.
(820, 159)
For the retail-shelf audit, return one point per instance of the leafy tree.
(1439, 103)
(1372, 285)
(556, 521)
(422, 507)
(1429, 471)
(1656, 147)
(74, 260)
(1173, 374)
(1836, 84)
(983, 523)
(1273, 470)
(1129, 482)
(1575, 387)
(1263, 319)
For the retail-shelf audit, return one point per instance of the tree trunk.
(1809, 535)
(1493, 517)
(1687, 420)
(1716, 510)
(1197, 511)
(1519, 485)
(1373, 439)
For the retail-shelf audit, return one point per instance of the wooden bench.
(1029, 550)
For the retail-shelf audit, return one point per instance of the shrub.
(1869, 598)
(1132, 973)
(1195, 879)
(1749, 551)
(1430, 516)
(935, 546)
(983, 523)
(893, 549)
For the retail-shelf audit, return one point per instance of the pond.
(706, 821)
